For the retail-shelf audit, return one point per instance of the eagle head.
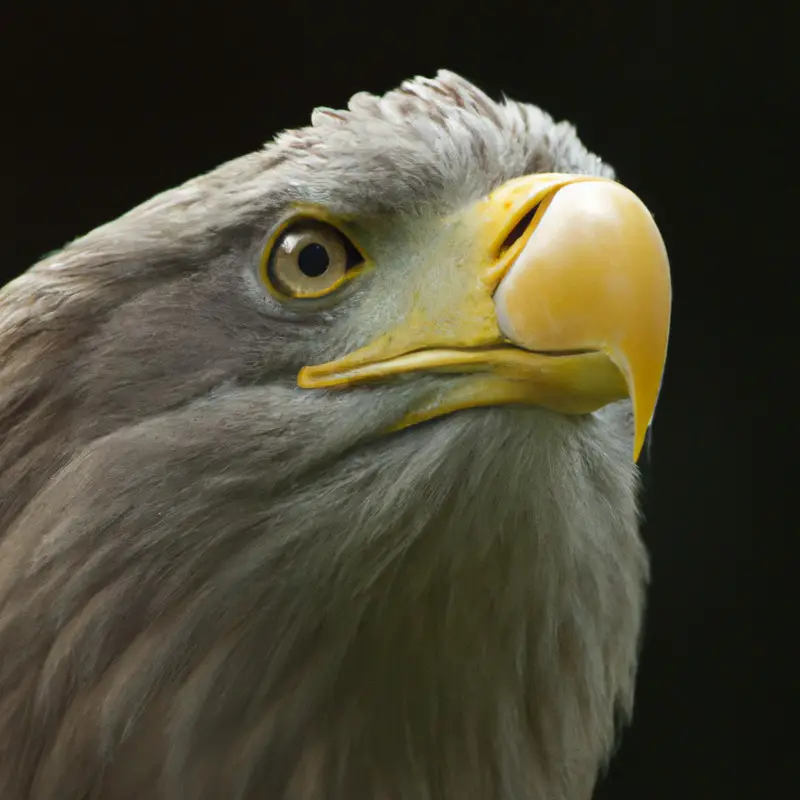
(317, 472)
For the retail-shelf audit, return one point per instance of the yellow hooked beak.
(563, 302)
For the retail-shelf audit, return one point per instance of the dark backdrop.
(105, 106)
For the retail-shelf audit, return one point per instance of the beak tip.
(638, 442)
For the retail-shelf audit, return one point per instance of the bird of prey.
(318, 472)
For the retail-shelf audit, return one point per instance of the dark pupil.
(313, 260)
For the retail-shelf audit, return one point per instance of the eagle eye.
(310, 259)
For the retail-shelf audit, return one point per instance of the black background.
(106, 105)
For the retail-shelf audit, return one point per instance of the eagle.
(318, 473)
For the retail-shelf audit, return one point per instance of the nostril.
(516, 232)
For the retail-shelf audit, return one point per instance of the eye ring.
(309, 259)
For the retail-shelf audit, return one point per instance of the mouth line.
(508, 361)
(494, 349)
